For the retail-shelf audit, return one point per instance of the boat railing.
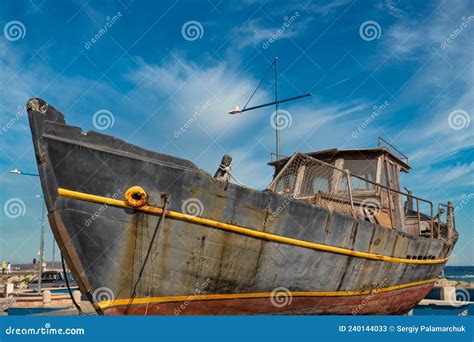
(275, 157)
(414, 208)
(312, 180)
(381, 142)
(444, 221)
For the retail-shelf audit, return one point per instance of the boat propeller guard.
(136, 197)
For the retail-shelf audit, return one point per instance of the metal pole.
(348, 179)
(40, 268)
(431, 221)
(277, 128)
(52, 257)
(418, 215)
(43, 212)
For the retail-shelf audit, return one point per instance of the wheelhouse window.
(393, 175)
(317, 178)
(286, 183)
(305, 178)
(365, 168)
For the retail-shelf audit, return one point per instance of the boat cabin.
(364, 183)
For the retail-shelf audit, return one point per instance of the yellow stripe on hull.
(242, 230)
(149, 300)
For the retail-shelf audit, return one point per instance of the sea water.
(453, 273)
(459, 273)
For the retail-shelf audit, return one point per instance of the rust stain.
(128, 256)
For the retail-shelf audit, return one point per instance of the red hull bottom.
(397, 302)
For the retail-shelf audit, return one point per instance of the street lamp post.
(52, 256)
(40, 269)
(43, 214)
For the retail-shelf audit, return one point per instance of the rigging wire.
(150, 246)
(78, 307)
(258, 86)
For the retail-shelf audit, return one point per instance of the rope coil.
(227, 170)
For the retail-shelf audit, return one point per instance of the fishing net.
(307, 178)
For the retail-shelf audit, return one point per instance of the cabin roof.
(361, 153)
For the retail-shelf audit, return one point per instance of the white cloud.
(392, 8)
(405, 40)
(318, 125)
(188, 87)
(255, 33)
(252, 34)
(439, 84)
(454, 177)
(325, 8)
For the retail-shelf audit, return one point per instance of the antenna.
(237, 110)
(277, 120)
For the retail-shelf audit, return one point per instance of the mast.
(277, 120)
(237, 110)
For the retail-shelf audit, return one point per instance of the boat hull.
(396, 302)
(219, 239)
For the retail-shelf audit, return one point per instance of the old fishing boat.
(146, 233)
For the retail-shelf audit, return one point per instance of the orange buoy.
(136, 197)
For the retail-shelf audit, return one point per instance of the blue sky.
(136, 62)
